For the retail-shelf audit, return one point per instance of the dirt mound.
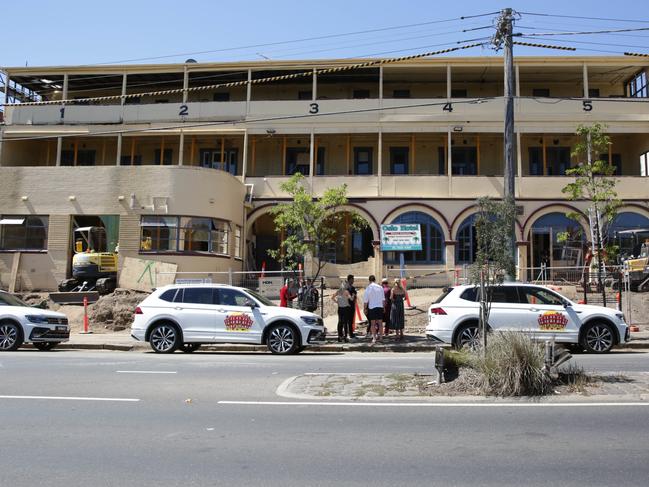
(115, 311)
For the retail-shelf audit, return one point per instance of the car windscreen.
(262, 299)
(7, 299)
(445, 292)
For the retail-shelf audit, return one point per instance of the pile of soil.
(115, 311)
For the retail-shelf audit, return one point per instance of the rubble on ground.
(115, 311)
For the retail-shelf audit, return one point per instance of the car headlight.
(310, 320)
(36, 318)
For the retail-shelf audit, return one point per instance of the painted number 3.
(314, 108)
(184, 111)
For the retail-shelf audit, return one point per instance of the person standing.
(310, 296)
(387, 290)
(397, 318)
(353, 294)
(343, 299)
(286, 294)
(374, 300)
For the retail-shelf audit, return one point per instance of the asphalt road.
(178, 432)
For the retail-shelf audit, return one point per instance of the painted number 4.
(448, 107)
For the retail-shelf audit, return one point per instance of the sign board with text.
(400, 237)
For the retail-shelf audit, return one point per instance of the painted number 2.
(314, 108)
(184, 111)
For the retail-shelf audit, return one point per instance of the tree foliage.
(593, 181)
(311, 225)
(494, 259)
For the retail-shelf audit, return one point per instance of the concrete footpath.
(414, 343)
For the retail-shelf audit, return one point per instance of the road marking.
(145, 372)
(72, 398)
(434, 404)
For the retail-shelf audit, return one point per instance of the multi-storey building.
(188, 173)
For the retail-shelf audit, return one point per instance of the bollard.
(85, 316)
(439, 363)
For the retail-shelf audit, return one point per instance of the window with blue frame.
(466, 246)
(432, 240)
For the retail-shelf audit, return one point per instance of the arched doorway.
(432, 240)
(353, 245)
(467, 246)
(627, 232)
(556, 241)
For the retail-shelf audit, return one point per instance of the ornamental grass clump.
(512, 366)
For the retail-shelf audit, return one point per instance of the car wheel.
(190, 347)
(598, 338)
(468, 336)
(164, 338)
(44, 346)
(282, 339)
(11, 336)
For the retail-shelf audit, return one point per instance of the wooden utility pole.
(503, 40)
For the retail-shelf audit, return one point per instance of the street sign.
(400, 237)
(269, 287)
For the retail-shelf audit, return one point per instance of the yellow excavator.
(637, 261)
(93, 267)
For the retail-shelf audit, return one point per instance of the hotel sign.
(400, 237)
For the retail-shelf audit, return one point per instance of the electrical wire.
(585, 18)
(608, 31)
(590, 42)
(329, 36)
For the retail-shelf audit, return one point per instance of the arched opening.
(556, 241)
(467, 246)
(353, 245)
(264, 237)
(628, 232)
(432, 240)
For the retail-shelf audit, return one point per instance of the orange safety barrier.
(403, 284)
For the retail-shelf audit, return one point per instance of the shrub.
(512, 366)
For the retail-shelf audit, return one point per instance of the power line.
(591, 42)
(527, 27)
(305, 39)
(585, 18)
(536, 34)
(366, 64)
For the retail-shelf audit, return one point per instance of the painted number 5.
(587, 105)
(314, 108)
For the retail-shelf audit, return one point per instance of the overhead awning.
(12, 221)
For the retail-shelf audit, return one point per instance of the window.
(363, 160)
(557, 160)
(432, 240)
(399, 160)
(168, 154)
(221, 97)
(504, 294)
(305, 95)
(184, 234)
(297, 160)
(232, 297)
(159, 234)
(401, 94)
(466, 242)
(616, 162)
(464, 160)
(593, 92)
(132, 100)
(162, 100)
(85, 157)
(126, 160)
(532, 295)
(237, 242)
(637, 87)
(320, 161)
(168, 295)
(459, 93)
(541, 92)
(441, 161)
(23, 232)
(644, 164)
(361, 94)
(211, 158)
(199, 295)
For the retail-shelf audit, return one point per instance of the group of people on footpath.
(306, 293)
(382, 305)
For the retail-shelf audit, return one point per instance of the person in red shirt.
(286, 295)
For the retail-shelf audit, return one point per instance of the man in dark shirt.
(352, 301)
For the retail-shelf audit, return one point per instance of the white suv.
(536, 310)
(186, 316)
(20, 323)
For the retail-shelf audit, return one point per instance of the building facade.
(181, 163)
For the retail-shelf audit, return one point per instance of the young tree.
(494, 259)
(310, 225)
(593, 183)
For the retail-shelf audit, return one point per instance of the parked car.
(186, 316)
(540, 312)
(21, 323)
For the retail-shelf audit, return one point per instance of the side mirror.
(250, 303)
(567, 304)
